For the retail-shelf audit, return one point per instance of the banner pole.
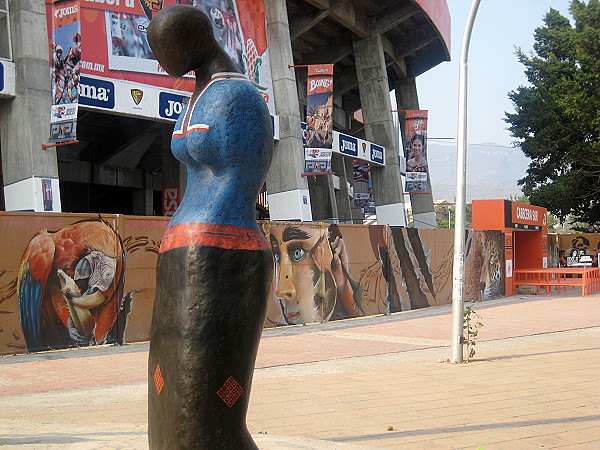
(46, 146)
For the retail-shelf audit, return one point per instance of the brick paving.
(378, 382)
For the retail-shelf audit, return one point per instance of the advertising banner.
(415, 145)
(527, 217)
(317, 160)
(119, 62)
(363, 188)
(171, 197)
(358, 148)
(319, 117)
(65, 62)
(354, 147)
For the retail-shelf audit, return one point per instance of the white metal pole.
(458, 273)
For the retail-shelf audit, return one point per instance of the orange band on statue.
(232, 237)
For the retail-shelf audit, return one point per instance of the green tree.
(519, 199)
(451, 210)
(557, 116)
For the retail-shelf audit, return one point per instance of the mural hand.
(339, 263)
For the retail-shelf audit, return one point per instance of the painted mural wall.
(71, 280)
(327, 272)
(578, 245)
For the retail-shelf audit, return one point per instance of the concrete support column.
(379, 128)
(288, 194)
(143, 199)
(30, 173)
(421, 204)
(323, 205)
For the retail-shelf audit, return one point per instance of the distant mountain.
(492, 170)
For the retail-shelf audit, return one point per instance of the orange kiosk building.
(525, 233)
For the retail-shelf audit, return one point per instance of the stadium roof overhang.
(415, 35)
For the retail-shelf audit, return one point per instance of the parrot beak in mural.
(81, 318)
(79, 303)
(71, 292)
(68, 287)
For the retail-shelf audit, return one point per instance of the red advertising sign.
(171, 199)
(527, 216)
(415, 144)
(118, 57)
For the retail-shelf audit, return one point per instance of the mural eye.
(297, 252)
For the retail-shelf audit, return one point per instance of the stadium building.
(80, 73)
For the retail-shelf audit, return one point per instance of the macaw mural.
(70, 285)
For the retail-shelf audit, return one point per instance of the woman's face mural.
(303, 283)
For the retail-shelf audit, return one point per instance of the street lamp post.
(458, 272)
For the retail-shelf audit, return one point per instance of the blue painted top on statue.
(225, 139)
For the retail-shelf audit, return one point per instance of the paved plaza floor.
(377, 382)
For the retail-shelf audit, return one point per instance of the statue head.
(182, 39)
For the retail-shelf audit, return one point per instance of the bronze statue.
(215, 267)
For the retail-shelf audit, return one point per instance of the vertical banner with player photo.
(319, 119)
(415, 145)
(65, 63)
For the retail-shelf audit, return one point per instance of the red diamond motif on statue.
(230, 392)
(158, 380)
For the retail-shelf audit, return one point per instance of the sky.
(493, 68)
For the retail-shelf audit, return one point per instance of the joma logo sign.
(60, 13)
(97, 93)
(376, 153)
(348, 146)
(170, 105)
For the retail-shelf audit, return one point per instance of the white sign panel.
(7, 79)
(136, 99)
(354, 147)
